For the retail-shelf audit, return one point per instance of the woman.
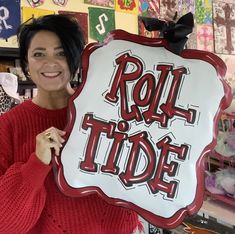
(50, 51)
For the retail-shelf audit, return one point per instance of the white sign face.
(140, 125)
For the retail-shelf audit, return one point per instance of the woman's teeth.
(51, 74)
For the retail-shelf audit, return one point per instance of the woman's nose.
(50, 60)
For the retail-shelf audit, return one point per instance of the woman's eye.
(61, 53)
(38, 54)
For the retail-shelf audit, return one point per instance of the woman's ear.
(70, 90)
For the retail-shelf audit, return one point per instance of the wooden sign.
(140, 125)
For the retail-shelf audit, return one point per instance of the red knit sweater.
(30, 199)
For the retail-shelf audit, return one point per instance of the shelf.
(25, 82)
(9, 52)
(221, 212)
(226, 199)
(220, 157)
(219, 160)
(22, 85)
(29, 82)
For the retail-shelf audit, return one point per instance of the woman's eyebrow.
(58, 48)
(38, 48)
(41, 48)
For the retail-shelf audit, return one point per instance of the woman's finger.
(51, 138)
(56, 147)
(55, 136)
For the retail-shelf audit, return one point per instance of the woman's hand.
(50, 139)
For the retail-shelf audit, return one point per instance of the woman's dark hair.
(65, 27)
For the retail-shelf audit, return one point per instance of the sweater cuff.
(34, 171)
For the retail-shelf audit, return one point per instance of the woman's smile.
(51, 74)
(47, 63)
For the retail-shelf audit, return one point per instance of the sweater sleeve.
(22, 191)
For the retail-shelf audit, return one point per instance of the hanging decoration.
(103, 3)
(9, 18)
(224, 26)
(102, 21)
(127, 6)
(168, 5)
(205, 37)
(35, 3)
(28, 13)
(60, 2)
(149, 8)
(203, 11)
(185, 6)
(82, 19)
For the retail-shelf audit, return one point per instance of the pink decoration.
(205, 39)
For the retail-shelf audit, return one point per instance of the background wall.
(123, 21)
(214, 29)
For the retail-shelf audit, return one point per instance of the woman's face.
(47, 63)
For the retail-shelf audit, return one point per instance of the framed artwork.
(82, 19)
(10, 18)
(101, 22)
(224, 26)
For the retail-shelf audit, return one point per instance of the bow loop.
(175, 33)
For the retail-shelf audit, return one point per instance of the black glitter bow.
(174, 33)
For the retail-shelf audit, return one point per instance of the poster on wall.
(104, 3)
(131, 6)
(203, 11)
(35, 3)
(61, 3)
(149, 8)
(185, 6)
(102, 21)
(82, 19)
(181, 6)
(10, 18)
(230, 74)
(28, 13)
(139, 132)
(165, 5)
(224, 26)
(205, 37)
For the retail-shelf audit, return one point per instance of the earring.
(28, 75)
